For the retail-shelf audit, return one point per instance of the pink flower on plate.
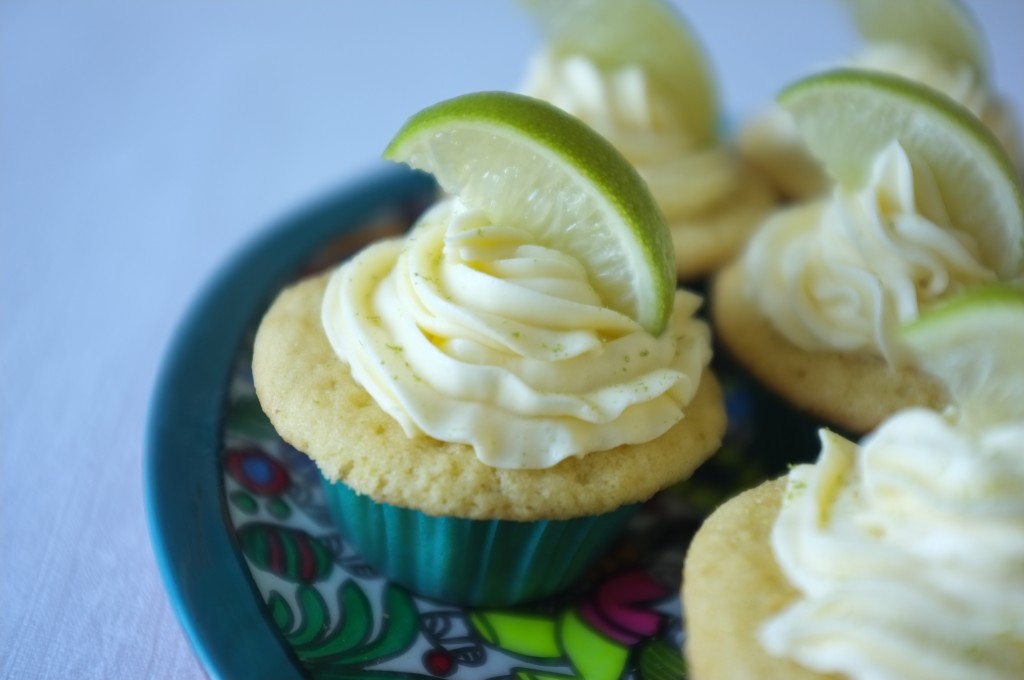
(620, 608)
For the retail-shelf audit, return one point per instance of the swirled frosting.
(625, 107)
(846, 272)
(468, 331)
(907, 553)
(957, 80)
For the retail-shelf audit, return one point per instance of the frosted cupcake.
(934, 42)
(901, 557)
(491, 397)
(925, 206)
(635, 73)
(898, 558)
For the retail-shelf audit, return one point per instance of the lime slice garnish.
(942, 27)
(650, 34)
(847, 117)
(972, 343)
(529, 165)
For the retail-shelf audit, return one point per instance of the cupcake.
(925, 206)
(898, 558)
(934, 42)
(901, 557)
(636, 74)
(490, 397)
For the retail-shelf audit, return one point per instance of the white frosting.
(957, 80)
(845, 273)
(468, 331)
(907, 552)
(626, 108)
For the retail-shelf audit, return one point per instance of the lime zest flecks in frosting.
(794, 489)
(503, 344)
(907, 553)
(858, 265)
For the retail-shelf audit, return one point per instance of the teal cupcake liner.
(480, 563)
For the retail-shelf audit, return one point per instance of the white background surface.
(141, 143)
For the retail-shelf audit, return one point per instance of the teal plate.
(258, 574)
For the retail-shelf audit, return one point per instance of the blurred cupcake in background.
(636, 73)
(926, 205)
(934, 42)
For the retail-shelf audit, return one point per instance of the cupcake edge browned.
(847, 390)
(731, 586)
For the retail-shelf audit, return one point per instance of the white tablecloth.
(141, 143)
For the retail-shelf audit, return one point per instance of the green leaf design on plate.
(351, 642)
(281, 612)
(245, 417)
(292, 554)
(356, 614)
(520, 633)
(315, 617)
(661, 661)
(593, 655)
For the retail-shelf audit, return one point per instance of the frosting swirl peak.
(469, 331)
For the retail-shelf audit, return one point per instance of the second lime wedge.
(972, 343)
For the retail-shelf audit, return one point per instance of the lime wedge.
(943, 27)
(650, 34)
(529, 165)
(972, 343)
(848, 116)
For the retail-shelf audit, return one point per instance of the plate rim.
(203, 571)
